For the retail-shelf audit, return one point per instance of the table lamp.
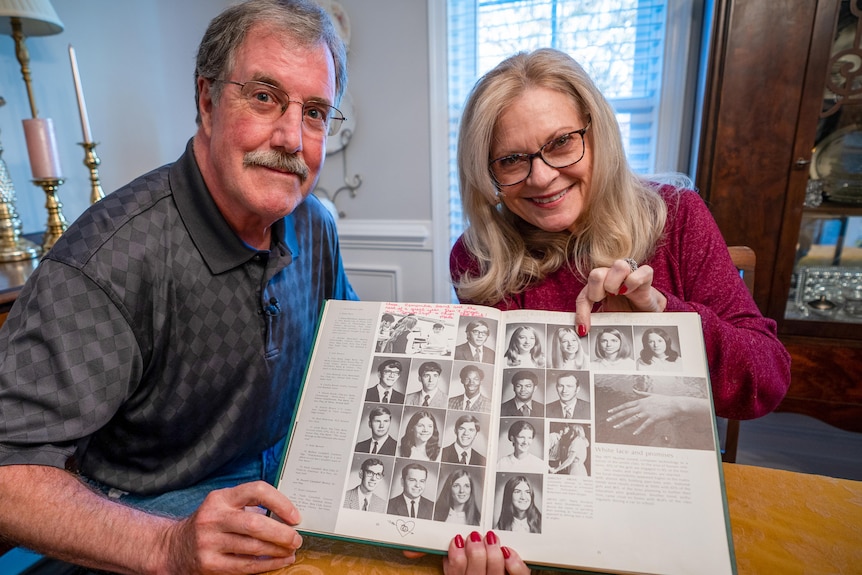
(22, 18)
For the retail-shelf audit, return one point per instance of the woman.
(518, 511)
(558, 221)
(525, 348)
(421, 439)
(658, 353)
(573, 452)
(399, 336)
(457, 501)
(613, 350)
(566, 350)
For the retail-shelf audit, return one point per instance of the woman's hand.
(477, 557)
(619, 288)
(653, 408)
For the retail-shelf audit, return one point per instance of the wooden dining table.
(783, 523)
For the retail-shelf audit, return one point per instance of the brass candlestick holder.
(92, 161)
(56, 222)
(13, 247)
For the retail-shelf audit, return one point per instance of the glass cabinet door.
(827, 278)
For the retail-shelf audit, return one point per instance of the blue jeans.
(183, 502)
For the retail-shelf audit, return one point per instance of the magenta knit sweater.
(749, 368)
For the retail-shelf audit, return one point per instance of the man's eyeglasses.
(270, 102)
(561, 152)
(374, 475)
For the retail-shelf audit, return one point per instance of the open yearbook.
(600, 454)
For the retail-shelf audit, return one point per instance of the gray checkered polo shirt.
(154, 344)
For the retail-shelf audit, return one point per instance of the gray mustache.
(275, 160)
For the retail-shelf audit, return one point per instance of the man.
(524, 384)
(568, 406)
(461, 450)
(432, 393)
(472, 399)
(160, 345)
(436, 342)
(521, 434)
(362, 497)
(555, 438)
(474, 349)
(380, 442)
(388, 373)
(411, 503)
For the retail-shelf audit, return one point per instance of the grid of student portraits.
(422, 447)
(422, 443)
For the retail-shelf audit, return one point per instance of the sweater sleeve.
(749, 367)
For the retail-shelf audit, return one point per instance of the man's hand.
(222, 537)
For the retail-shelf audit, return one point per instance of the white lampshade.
(38, 17)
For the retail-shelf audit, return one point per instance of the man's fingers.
(262, 494)
(222, 530)
(250, 546)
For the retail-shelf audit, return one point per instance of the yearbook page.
(418, 421)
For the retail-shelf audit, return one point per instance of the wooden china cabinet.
(780, 165)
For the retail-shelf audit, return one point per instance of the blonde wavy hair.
(623, 215)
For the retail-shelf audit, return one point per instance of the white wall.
(136, 60)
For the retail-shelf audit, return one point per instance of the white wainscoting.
(389, 260)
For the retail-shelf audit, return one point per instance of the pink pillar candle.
(42, 149)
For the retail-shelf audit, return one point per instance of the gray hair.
(302, 21)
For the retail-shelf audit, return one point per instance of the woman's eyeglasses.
(561, 152)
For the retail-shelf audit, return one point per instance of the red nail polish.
(623, 290)
(582, 330)
(506, 552)
(475, 537)
(459, 541)
(491, 538)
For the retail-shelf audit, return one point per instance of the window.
(637, 51)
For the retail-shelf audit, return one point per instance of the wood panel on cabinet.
(763, 96)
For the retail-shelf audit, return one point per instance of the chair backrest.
(745, 260)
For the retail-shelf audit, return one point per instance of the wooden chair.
(744, 259)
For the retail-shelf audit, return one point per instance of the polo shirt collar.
(218, 244)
